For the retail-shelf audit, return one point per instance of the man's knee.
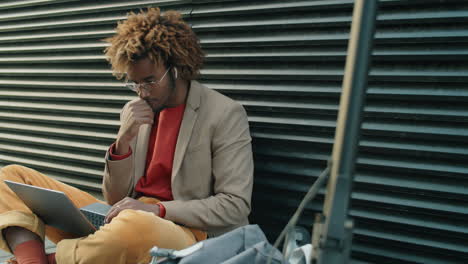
(126, 237)
(140, 222)
(12, 168)
(129, 237)
(11, 171)
(155, 231)
(100, 251)
(130, 227)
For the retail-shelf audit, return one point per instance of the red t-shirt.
(160, 156)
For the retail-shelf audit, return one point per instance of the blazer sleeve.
(232, 170)
(117, 182)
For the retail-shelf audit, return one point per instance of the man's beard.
(159, 109)
(171, 93)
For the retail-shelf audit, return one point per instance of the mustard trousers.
(127, 239)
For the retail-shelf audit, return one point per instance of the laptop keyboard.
(96, 219)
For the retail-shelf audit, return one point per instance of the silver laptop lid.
(53, 207)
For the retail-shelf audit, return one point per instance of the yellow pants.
(127, 239)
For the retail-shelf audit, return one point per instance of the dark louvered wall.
(411, 193)
(284, 61)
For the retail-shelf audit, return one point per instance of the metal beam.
(333, 230)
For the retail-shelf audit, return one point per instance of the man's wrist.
(161, 210)
(113, 156)
(122, 147)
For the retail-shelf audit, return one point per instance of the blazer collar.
(186, 127)
(193, 100)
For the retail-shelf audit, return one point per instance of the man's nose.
(143, 93)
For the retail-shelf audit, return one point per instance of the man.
(180, 170)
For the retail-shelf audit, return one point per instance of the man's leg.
(27, 246)
(14, 213)
(127, 239)
(15, 235)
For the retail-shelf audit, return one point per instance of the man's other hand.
(135, 113)
(130, 203)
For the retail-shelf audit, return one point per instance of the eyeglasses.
(146, 86)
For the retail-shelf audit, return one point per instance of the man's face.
(158, 94)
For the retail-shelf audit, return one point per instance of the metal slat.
(458, 75)
(61, 24)
(53, 142)
(52, 155)
(47, 48)
(59, 108)
(52, 59)
(77, 35)
(30, 3)
(79, 170)
(410, 219)
(63, 120)
(81, 9)
(78, 85)
(48, 130)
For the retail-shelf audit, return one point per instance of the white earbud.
(175, 73)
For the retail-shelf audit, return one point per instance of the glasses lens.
(145, 87)
(131, 86)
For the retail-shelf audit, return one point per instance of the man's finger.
(141, 113)
(106, 219)
(142, 103)
(144, 121)
(113, 212)
(111, 215)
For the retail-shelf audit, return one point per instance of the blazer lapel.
(188, 122)
(141, 149)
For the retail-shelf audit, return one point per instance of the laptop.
(56, 209)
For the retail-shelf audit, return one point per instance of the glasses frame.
(146, 86)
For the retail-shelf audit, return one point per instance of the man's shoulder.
(216, 100)
(216, 107)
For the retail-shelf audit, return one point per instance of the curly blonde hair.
(163, 37)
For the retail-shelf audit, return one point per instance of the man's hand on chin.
(130, 203)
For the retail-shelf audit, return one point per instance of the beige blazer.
(212, 174)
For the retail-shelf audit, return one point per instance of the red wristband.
(162, 210)
(118, 157)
